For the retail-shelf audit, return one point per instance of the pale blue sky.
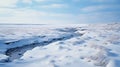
(59, 11)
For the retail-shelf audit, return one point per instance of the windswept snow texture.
(85, 45)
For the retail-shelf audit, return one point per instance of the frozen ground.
(86, 45)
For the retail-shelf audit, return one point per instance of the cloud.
(101, 17)
(36, 11)
(40, 1)
(43, 0)
(8, 3)
(76, 0)
(104, 0)
(25, 15)
(97, 8)
(55, 6)
(48, 0)
(100, 1)
(29, 15)
(27, 1)
(41, 4)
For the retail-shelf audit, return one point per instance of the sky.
(59, 11)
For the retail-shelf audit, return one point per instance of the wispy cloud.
(104, 0)
(96, 8)
(27, 1)
(39, 1)
(8, 3)
(59, 11)
(55, 6)
(47, 0)
(101, 17)
(25, 15)
(95, 0)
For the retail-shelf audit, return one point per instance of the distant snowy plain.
(77, 45)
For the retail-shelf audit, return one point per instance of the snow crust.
(85, 45)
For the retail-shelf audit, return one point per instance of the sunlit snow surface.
(78, 45)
